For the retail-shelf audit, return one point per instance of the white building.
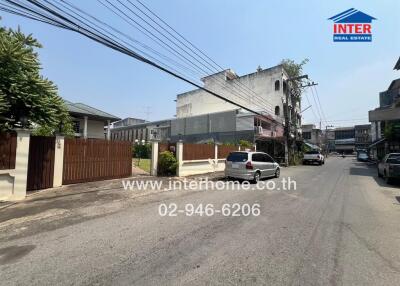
(268, 88)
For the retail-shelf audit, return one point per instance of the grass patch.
(143, 164)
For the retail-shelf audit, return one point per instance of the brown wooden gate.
(8, 147)
(40, 163)
(88, 160)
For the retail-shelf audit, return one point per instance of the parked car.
(251, 166)
(362, 157)
(313, 157)
(389, 167)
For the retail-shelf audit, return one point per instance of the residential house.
(89, 122)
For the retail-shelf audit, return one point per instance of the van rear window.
(237, 157)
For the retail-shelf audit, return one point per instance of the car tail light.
(249, 166)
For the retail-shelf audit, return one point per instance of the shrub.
(245, 144)
(167, 164)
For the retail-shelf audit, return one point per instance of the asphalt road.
(341, 226)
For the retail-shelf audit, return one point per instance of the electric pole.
(289, 148)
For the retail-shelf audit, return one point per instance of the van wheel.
(387, 179)
(257, 177)
(277, 173)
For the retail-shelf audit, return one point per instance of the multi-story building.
(312, 135)
(362, 136)
(345, 139)
(385, 121)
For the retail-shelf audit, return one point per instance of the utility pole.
(326, 139)
(288, 120)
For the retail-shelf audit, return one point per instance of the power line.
(211, 62)
(92, 34)
(159, 41)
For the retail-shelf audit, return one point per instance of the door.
(269, 165)
(40, 163)
(259, 163)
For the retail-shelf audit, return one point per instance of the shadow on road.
(369, 170)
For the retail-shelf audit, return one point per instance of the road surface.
(341, 226)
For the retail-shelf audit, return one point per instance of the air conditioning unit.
(259, 130)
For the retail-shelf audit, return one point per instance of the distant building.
(219, 127)
(127, 122)
(312, 135)
(362, 136)
(345, 139)
(89, 122)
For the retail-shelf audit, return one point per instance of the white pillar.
(179, 157)
(58, 161)
(13, 182)
(108, 130)
(85, 122)
(154, 158)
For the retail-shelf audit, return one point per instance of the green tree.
(27, 99)
(293, 70)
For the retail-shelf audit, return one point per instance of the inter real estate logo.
(352, 26)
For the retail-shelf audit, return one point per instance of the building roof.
(352, 16)
(395, 84)
(397, 65)
(81, 109)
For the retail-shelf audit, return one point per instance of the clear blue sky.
(239, 35)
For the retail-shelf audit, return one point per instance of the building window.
(277, 85)
(277, 110)
(284, 87)
(307, 135)
(76, 125)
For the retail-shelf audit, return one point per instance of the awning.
(376, 142)
(312, 146)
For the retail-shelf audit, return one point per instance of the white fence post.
(13, 182)
(154, 158)
(58, 161)
(179, 157)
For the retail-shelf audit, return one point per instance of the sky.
(241, 35)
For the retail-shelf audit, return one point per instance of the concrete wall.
(196, 167)
(13, 182)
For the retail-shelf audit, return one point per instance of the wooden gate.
(40, 163)
(88, 160)
(8, 147)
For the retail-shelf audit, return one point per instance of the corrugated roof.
(84, 109)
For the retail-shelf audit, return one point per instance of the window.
(277, 110)
(267, 158)
(277, 85)
(307, 135)
(237, 157)
(257, 157)
(284, 87)
(76, 126)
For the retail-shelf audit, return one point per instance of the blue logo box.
(352, 38)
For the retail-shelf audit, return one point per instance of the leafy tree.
(245, 144)
(293, 70)
(27, 99)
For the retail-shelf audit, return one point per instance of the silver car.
(251, 166)
(389, 167)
